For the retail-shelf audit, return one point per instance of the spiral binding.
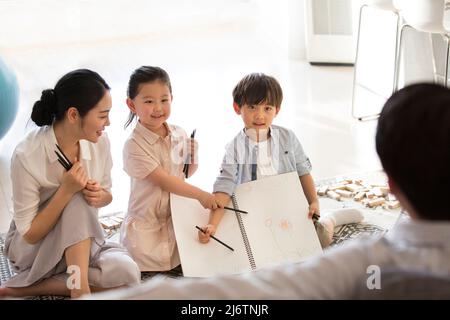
(248, 248)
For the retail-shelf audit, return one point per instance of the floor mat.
(377, 221)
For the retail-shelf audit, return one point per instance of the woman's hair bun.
(44, 109)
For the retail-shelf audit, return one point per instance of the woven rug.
(341, 234)
(5, 268)
(376, 222)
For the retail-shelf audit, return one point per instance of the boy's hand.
(313, 209)
(210, 230)
(93, 193)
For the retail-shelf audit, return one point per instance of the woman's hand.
(94, 194)
(75, 179)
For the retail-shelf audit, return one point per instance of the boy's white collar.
(254, 134)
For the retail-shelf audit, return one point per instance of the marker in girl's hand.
(186, 165)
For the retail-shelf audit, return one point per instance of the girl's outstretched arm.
(175, 185)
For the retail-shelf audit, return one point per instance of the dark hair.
(143, 75)
(257, 88)
(413, 143)
(81, 89)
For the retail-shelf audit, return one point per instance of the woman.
(55, 226)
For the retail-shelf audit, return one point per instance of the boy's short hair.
(413, 143)
(257, 88)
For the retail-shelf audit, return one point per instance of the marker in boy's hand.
(313, 209)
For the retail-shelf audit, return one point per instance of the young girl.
(55, 224)
(154, 157)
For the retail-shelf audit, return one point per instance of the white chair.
(385, 5)
(425, 16)
(382, 4)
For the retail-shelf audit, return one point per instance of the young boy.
(413, 143)
(262, 149)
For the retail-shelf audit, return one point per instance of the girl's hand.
(221, 202)
(209, 201)
(75, 179)
(93, 194)
(313, 209)
(210, 230)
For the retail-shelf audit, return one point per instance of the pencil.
(63, 161)
(237, 210)
(215, 239)
(63, 164)
(186, 165)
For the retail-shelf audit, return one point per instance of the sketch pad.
(275, 230)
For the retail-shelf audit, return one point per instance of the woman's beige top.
(36, 173)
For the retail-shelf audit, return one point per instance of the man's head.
(413, 143)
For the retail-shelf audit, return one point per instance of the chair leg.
(397, 63)
(397, 51)
(446, 57)
(446, 60)
(396, 59)
(356, 62)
